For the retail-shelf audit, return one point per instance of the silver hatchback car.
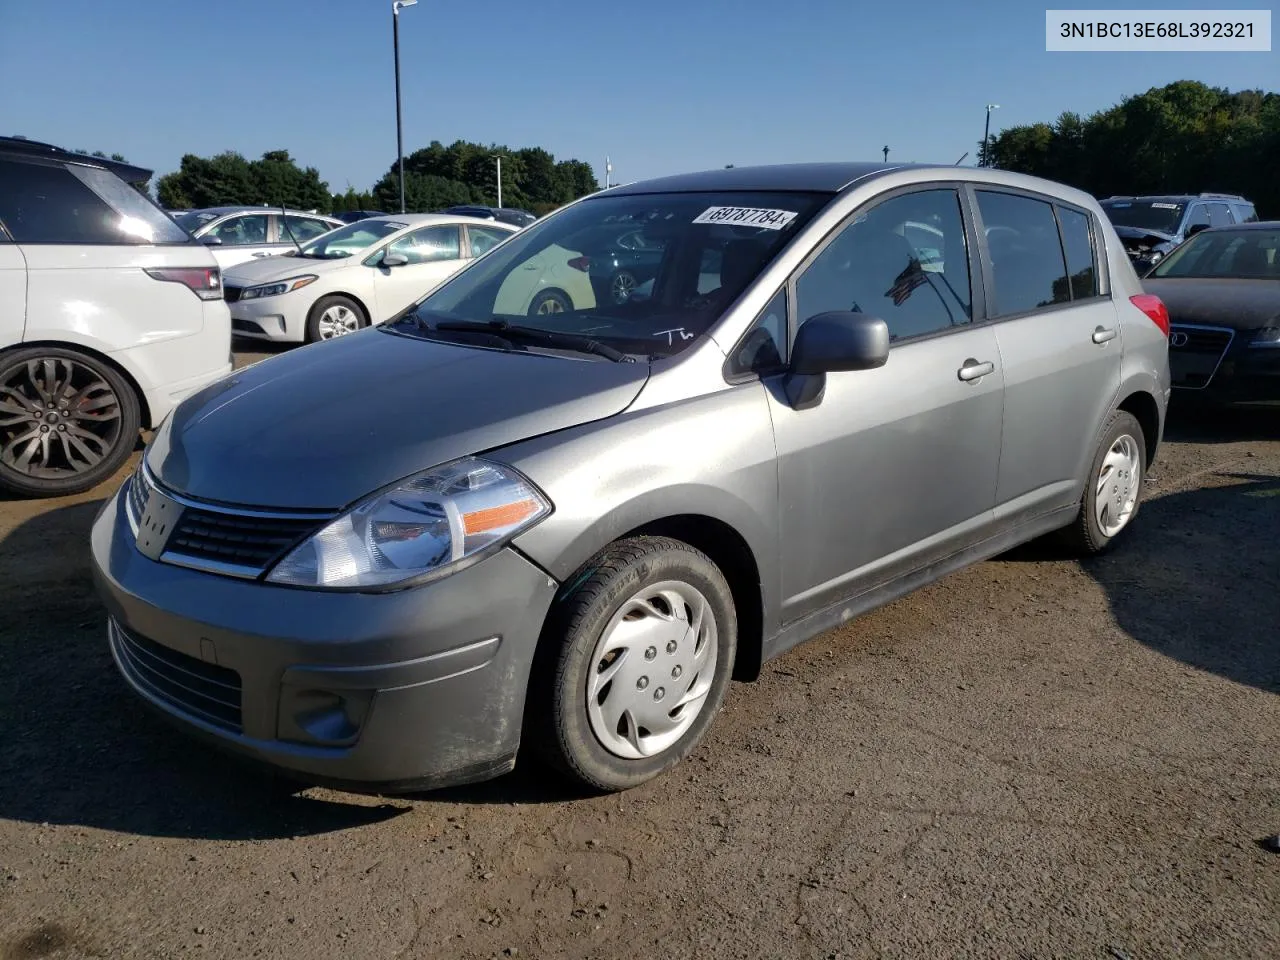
(389, 561)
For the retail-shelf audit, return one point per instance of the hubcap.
(624, 284)
(651, 670)
(58, 418)
(1119, 481)
(550, 305)
(338, 321)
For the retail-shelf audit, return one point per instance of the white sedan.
(353, 276)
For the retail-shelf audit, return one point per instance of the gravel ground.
(1033, 758)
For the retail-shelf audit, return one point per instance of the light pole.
(986, 136)
(608, 169)
(498, 157)
(395, 39)
(885, 151)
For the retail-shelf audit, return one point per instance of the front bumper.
(282, 319)
(1227, 370)
(378, 692)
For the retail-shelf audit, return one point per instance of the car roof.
(130, 173)
(223, 211)
(1180, 198)
(414, 219)
(809, 177)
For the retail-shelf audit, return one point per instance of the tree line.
(1185, 137)
(436, 176)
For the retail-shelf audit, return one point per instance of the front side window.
(1199, 216)
(349, 240)
(429, 245)
(556, 275)
(904, 261)
(1027, 263)
(1077, 239)
(301, 229)
(69, 203)
(241, 231)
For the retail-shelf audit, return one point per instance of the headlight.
(277, 288)
(1266, 337)
(1155, 256)
(426, 527)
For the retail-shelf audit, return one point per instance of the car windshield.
(645, 275)
(193, 220)
(1162, 216)
(1225, 254)
(349, 240)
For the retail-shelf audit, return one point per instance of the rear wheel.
(67, 421)
(550, 301)
(640, 656)
(1114, 491)
(622, 286)
(334, 316)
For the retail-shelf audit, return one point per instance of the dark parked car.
(354, 216)
(517, 218)
(623, 259)
(1222, 289)
(1151, 227)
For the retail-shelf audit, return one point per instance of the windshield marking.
(747, 217)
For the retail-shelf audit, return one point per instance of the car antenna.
(961, 160)
(289, 229)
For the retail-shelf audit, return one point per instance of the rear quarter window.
(73, 204)
(1078, 243)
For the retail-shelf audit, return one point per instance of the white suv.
(110, 313)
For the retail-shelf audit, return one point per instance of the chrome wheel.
(58, 418)
(622, 286)
(652, 669)
(549, 305)
(337, 321)
(1119, 482)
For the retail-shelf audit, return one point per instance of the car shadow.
(1197, 578)
(80, 748)
(1191, 422)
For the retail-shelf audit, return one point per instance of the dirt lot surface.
(1031, 759)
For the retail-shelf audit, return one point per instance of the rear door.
(434, 254)
(1059, 339)
(13, 292)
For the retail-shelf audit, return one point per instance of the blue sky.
(660, 86)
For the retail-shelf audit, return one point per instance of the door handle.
(1103, 334)
(975, 370)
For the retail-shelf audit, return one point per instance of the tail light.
(581, 263)
(1154, 308)
(204, 282)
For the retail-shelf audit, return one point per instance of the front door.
(896, 467)
(13, 294)
(434, 254)
(1060, 342)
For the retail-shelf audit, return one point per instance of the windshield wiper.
(534, 336)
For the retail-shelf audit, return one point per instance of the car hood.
(1239, 304)
(1139, 240)
(322, 426)
(266, 269)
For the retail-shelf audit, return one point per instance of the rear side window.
(1027, 263)
(1245, 213)
(1077, 240)
(1219, 215)
(245, 231)
(1199, 216)
(69, 203)
(301, 229)
(484, 239)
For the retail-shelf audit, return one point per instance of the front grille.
(204, 690)
(1195, 352)
(137, 494)
(230, 293)
(238, 539)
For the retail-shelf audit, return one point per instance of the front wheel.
(334, 316)
(642, 655)
(68, 421)
(1114, 490)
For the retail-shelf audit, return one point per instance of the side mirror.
(394, 260)
(1196, 228)
(831, 343)
(211, 241)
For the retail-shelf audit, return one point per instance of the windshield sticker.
(676, 331)
(747, 216)
(1120, 206)
(1164, 206)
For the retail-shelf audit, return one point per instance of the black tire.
(323, 304)
(557, 722)
(557, 300)
(90, 413)
(1085, 536)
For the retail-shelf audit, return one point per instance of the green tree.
(1185, 137)
(229, 179)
